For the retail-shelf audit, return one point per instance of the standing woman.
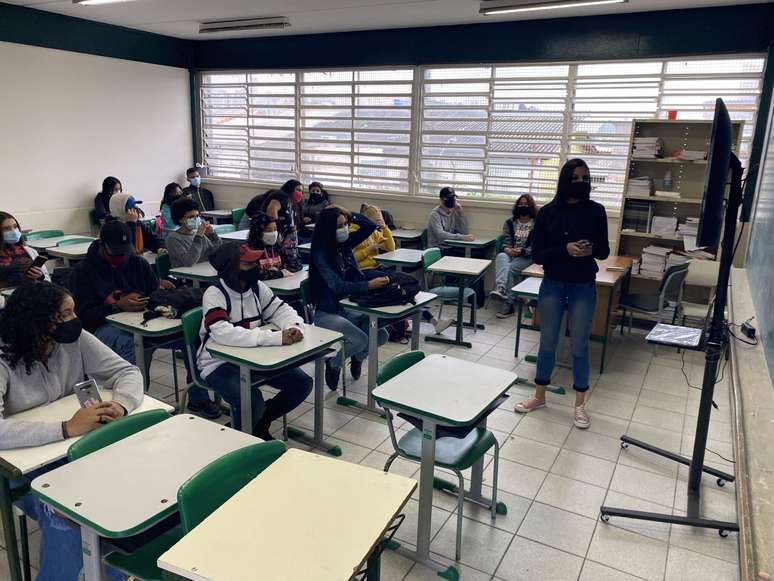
(516, 254)
(570, 233)
(110, 186)
(16, 257)
(334, 275)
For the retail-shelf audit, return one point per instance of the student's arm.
(459, 222)
(526, 251)
(149, 277)
(112, 372)
(277, 311)
(361, 251)
(543, 248)
(335, 283)
(388, 245)
(183, 253)
(166, 217)
(91, 309)
(435, 226)
(508, 240)
(601, 248)
(20, 433)
(364, 229)
(217, 323)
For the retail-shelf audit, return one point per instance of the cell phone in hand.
(87, 393)
(38, 262)
(584, 243)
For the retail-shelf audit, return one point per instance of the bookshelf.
(638, 207)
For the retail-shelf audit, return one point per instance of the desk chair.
(224, 228)
(41, 234)
(452, 452)
(701, 273)
(94, 224)
(163, 265)
(71, 241)
(423, 239)
(449, 295)
(664, 302)
(236, 216)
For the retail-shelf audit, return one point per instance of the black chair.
(663, 303)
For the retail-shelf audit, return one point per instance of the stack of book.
(642, 186)
(648, 147)
(674, 258)
(689, 228)
(690, 155)
(653, 260)
(637, 215)
(663, 225)
(665, 194)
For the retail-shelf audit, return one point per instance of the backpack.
(398, 331)
(401, 290)
(180, 299)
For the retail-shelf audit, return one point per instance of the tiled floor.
(553, 477)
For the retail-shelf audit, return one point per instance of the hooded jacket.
(96, 285)
(381, 237)
(234, 317)
(118, 211)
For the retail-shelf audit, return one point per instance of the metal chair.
(449, 295)
(701, 273)
(663, 303)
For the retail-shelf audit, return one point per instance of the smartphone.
(584, 243)
(39, 261)
(87, 393)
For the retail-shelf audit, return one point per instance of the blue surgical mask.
(12, 236)
(193, 223)
(196, 182)
(342, 234)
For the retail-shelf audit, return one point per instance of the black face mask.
(68, 332)
(315, 198)
(523, 211)
(579, 190)
(450, 202)
(250, 277)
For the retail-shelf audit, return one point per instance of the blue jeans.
(506, 271)
(61, 557)
(294, 386)
(354, 327)
(580, 301)
(122, 343)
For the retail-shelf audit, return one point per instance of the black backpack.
(401, 290)
(180, 299)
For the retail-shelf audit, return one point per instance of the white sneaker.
(499, 292)
(582, 419)
(442, 325)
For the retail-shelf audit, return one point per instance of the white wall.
(67, 120)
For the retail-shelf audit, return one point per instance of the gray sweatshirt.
(190, 249)
(67, 365)
(443, 226)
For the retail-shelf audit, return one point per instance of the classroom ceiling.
(181, 18)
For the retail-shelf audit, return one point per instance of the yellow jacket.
(381, 238)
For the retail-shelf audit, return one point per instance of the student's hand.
(376, 283)
(34, 273)
(307, 220)
(132, 215)
(468, 237)
(457, 206)
(203, 228)
(292, 335)
(373, 249)
(88, 418)
(115, 410)
(577, 250)
(132, 303)
(166, 285)
(286, 273)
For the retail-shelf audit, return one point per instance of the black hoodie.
(94, 281)
(225, 260)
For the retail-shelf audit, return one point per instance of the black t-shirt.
(559, 223)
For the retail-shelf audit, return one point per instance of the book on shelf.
(637, 215)
(665, 194)
(641, 186)
(653, 260)
(648, 147)
(690, 155)
(663, 225)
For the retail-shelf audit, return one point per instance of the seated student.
(110, 186)
(334, 275)
(380, 241)
(195, 239)
(16, 257)
(280, 206)
(125, 208)
(447, 222)
(273, 261)
(112, 279)
(253, 208)
(201, 196)
(43, 354)
(516, 253)
(316, 202)
(172, 193)
(234, 311)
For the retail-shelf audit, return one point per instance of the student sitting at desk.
(570, 233)
(379, 241)
(235, 310)
(273, 261)
(334, 275)
(43, 354)
(124, 208)
(200, 195)
(110, 186)
(516, 254)
(16, 257)
(317, 201)
(447, 222)
(172, 193)
(195, 239)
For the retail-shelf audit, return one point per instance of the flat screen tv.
(715, 178)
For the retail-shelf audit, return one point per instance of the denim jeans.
(61, 557)
(122, 343)
(506, 271)
(294, 386)
(580, 300)
(354, 327)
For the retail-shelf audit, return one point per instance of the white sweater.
(241, 326)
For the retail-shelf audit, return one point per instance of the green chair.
(197, 499)
(499, 244)
(224, 228)
(163, 264)
(453, 453)
(71, 241)
(449, 295)
(423, 239)
(236, 216)
(41, 234)
(113, 432)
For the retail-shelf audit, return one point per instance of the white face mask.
(270, 238)
(193, 223)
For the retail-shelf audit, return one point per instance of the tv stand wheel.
(723, 533)
(720, 482)
(624, 445)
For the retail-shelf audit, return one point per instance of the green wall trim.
(23, 25)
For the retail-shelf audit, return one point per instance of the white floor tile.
(558, 528)
(595, 572)
(683, 564)
(571, 495)
(585, 468)
(529, 452)
(527, 559)
(533, 428)
(482, 546)
(628, 552)
(645, 485)
(517, 478)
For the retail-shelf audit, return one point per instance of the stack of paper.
(642, 186)
(691, 155)
(665, 194)
(663, 225)
(648, 147)
(689, 228)
(653, 260)
(673, 259)
(637, 214)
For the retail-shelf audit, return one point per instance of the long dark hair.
(25, 323)
(290, 185)
(530, 202)
(324, 247)
(169, 191)
(6, 216)
(257, 225)
(565, 178)
(108, 184)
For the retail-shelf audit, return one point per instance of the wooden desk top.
(305, 517)
(460, 265)
(605, 277)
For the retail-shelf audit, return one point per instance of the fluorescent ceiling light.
(243, 24)
(97, 2)
(492, 7)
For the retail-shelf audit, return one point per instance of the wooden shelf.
(662, 199)
(652, 236)
(669, 160)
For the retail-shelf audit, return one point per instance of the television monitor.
(715, 178)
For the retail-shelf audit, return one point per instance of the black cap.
(115, 236)
(447, 191)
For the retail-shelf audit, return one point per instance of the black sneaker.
(206, 409)
(506, 311)
(356, 368)
(332, 375)
(262, 431)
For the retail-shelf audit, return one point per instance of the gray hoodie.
(443, 226)
(67, 365)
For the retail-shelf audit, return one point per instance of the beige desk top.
(605, 277)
